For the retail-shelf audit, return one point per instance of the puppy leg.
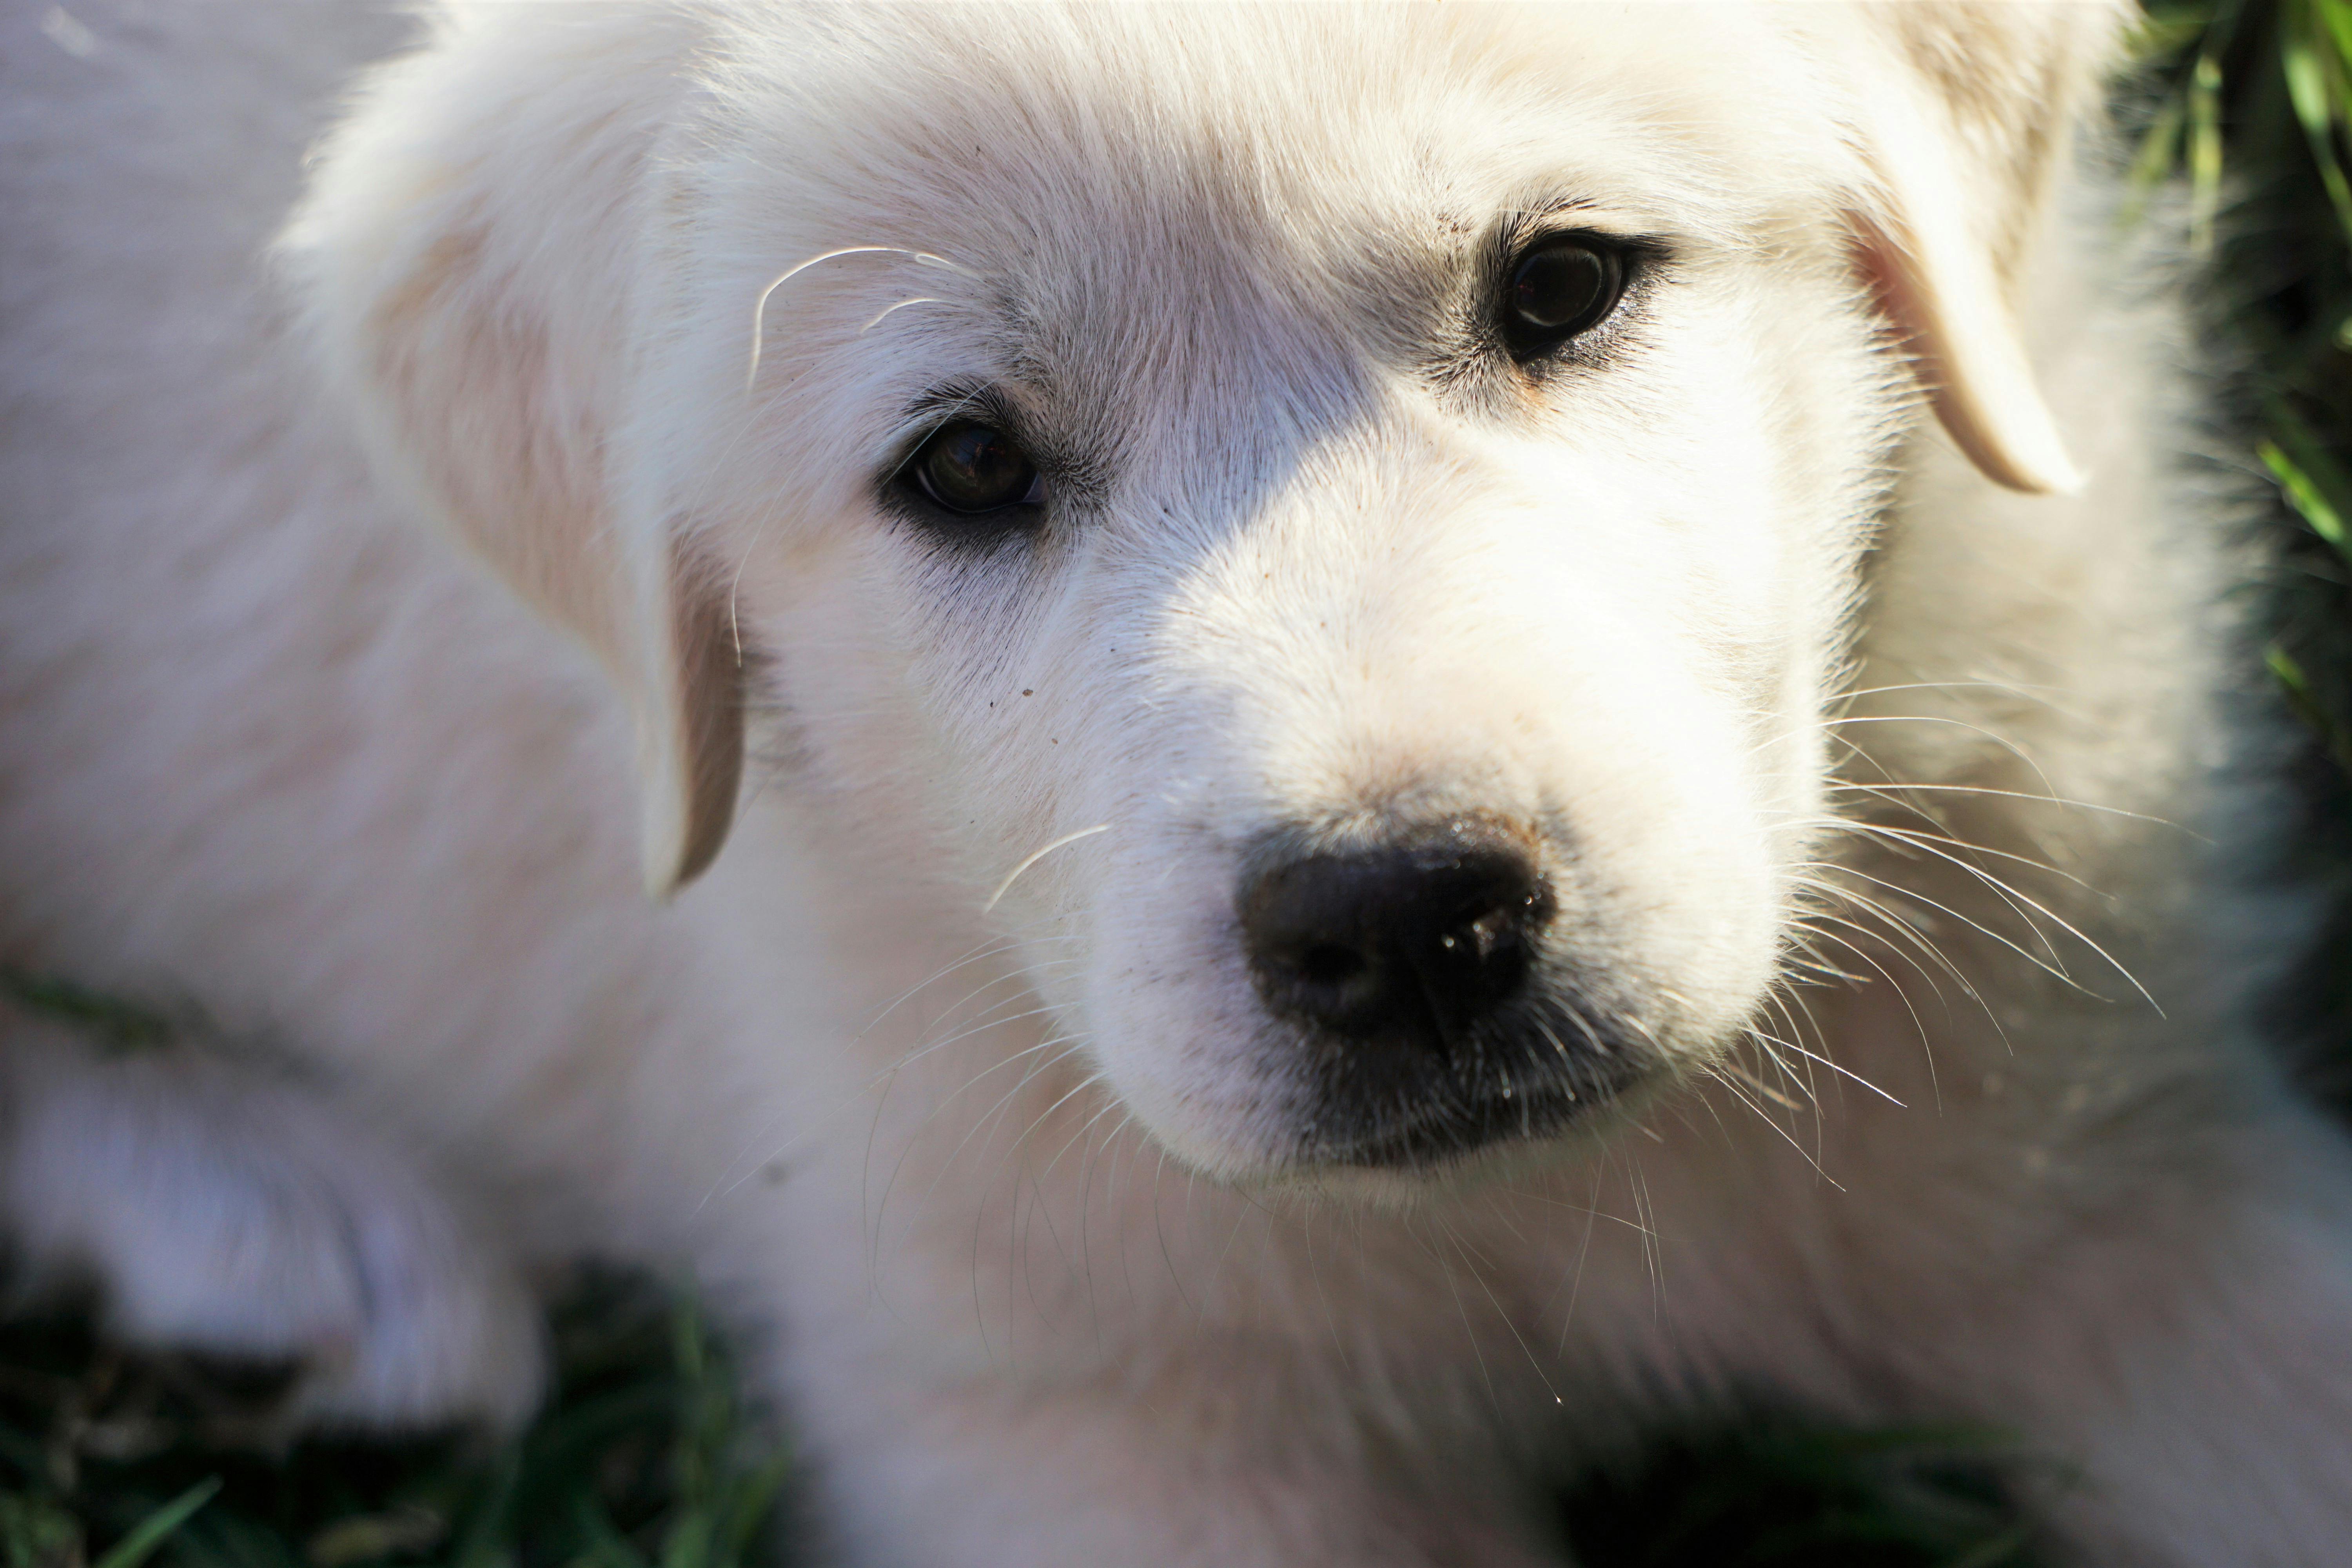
(221, 1210)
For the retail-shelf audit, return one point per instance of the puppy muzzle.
(1422, 995)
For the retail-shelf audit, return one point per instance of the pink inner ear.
(1974, 373)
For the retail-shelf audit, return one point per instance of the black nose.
(1413, 942)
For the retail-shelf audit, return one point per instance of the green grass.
(2255, 116)
(645, 1460)
(2251, 109)
(1767, 1488)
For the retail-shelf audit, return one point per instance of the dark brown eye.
(1559, 287)
(972, 467)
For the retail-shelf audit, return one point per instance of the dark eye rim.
(1628, 259)
(911, 484)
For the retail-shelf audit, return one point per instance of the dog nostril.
(1413, 942)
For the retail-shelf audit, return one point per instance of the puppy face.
(1420, 555)
(1336, 537)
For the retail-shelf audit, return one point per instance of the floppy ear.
(468, 254)
(1964, 112)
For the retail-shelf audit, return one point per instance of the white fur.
(1002, 1175)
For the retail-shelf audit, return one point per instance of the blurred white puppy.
(1391, 799)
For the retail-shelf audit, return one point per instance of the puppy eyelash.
(906, 490)
(1643, 260)
(932, 412)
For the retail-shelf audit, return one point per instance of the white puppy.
(1392, 798)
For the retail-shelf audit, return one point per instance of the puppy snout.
(1410, 942)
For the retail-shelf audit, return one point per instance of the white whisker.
(1015, 875)
(760, 306)
(888, 310)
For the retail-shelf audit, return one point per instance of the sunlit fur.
(1907, 829)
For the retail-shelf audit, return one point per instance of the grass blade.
(2315, 87)
(155, 1530)
(2306, 497)
(2204, 151)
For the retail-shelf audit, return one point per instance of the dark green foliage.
(108, 1022)
(641, 1461)
(1772, 1491)
(2250, 105)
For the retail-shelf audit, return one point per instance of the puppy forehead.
(1195, 240)
(1067, 154)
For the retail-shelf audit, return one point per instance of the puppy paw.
(225, 1213)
